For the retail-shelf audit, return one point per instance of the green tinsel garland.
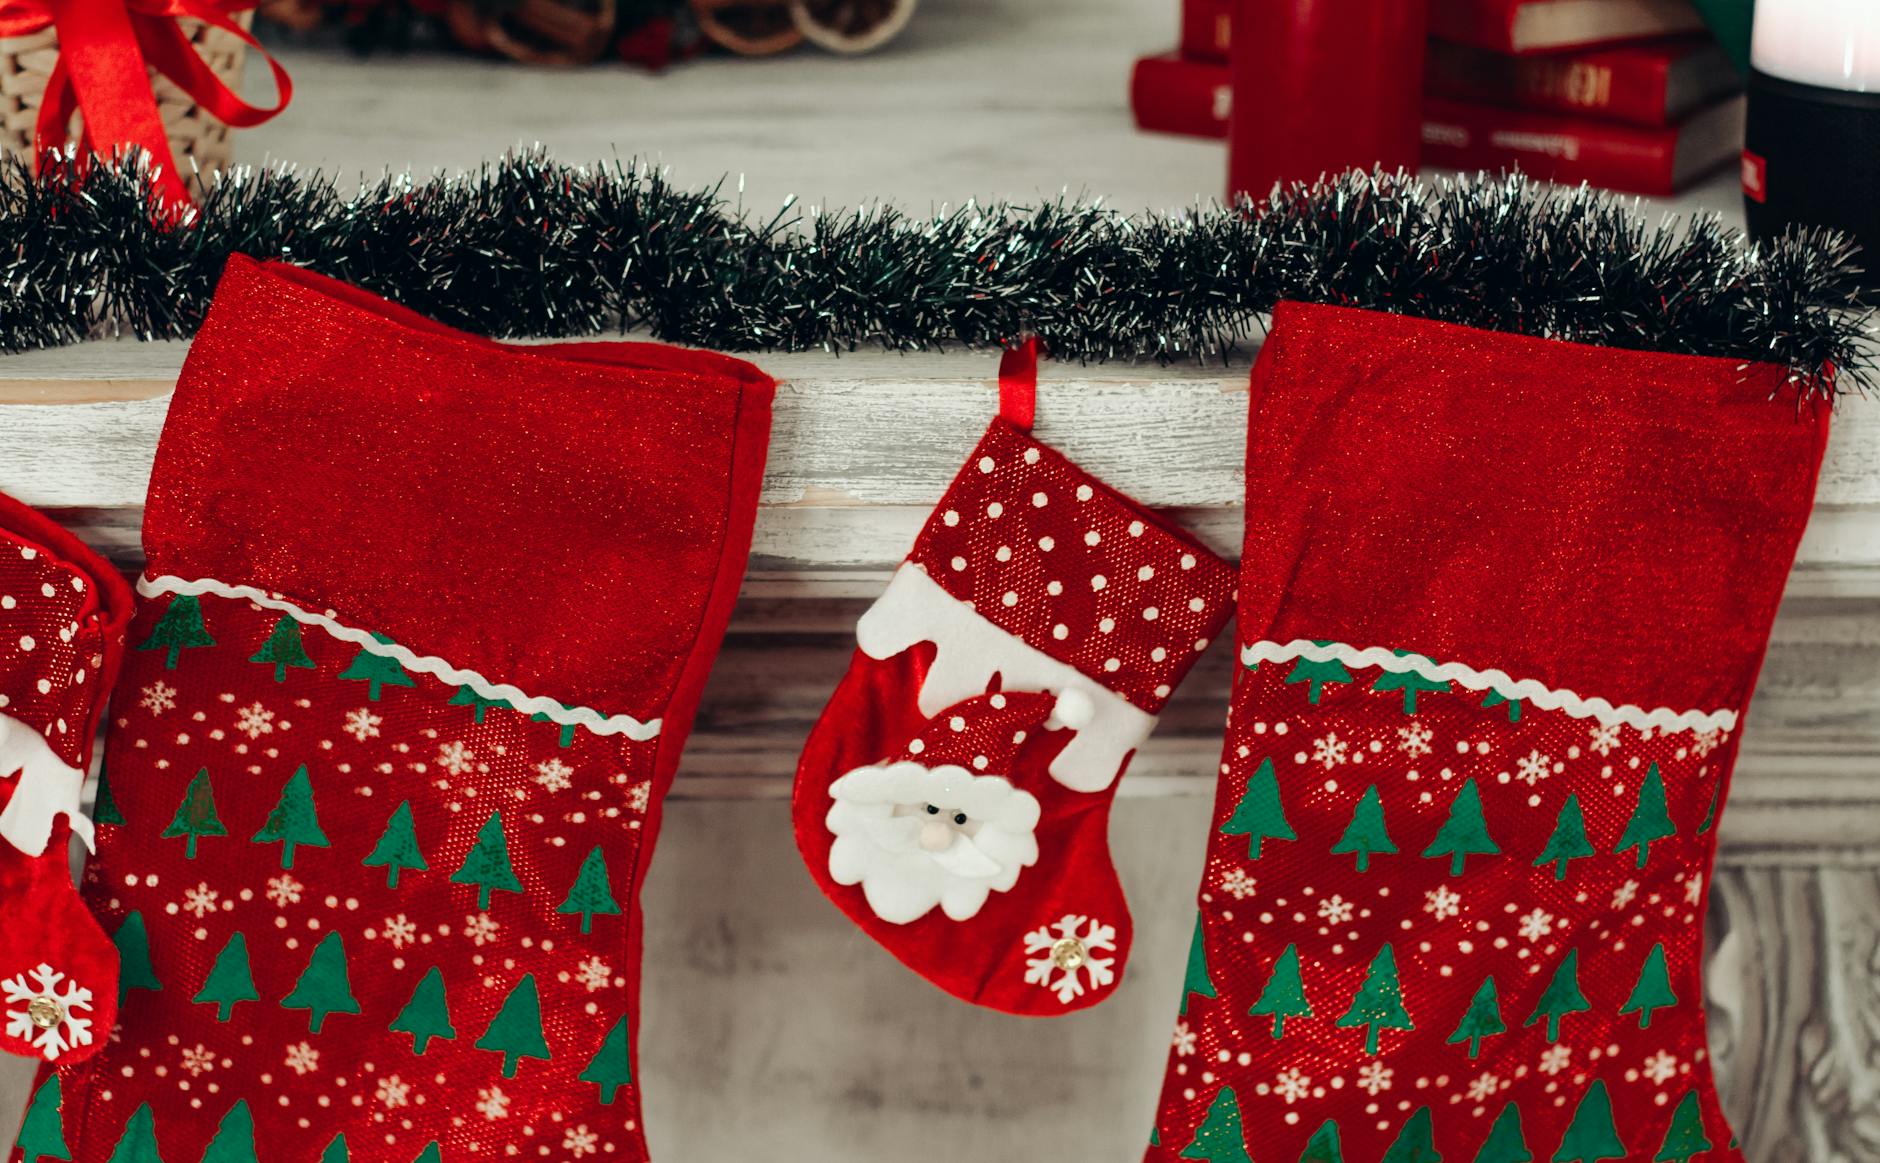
(532, 247)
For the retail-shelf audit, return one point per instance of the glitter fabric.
(1454, 895)
(370, 910)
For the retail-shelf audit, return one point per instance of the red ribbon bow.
(106, 51)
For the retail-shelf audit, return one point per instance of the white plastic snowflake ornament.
(46, 1011)
(1058, 952)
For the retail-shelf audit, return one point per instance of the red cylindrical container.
(1322, 86)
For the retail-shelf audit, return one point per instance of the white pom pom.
(1074, 709)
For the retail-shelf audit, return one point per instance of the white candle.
(1833, 44)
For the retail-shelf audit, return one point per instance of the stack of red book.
(1627, 94)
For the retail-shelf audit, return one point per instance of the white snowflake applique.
(362, 724)
(1329, 750)
(394, 1092)
(284, 890)
(47, 1011)
(1534, 767)
(639, 796)
(1605, 738)
(553, 774)
(1661, 1068)
(1237, 883)
(1624, 894)
(480, 928)
(1183, 1040)
(198, 1060)
(200, 901)
(1374, 1078)
(254, 721)
(1555, 1058)
(1059, 950)
(456, 758)
(1694, 888)
(580, 1141)
(158, 697)
(302, 1058)
(1292, 1085)
(1483, 1087)
(492, 1103)
(1537, 924)
(1704, 742)
(1442, 902)
(594, 974)
(399, 930)
(1336, 910)
(1414, 740)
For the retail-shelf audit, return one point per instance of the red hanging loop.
(1018, 384)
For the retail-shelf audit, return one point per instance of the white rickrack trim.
(1662, 719)
(557, 712)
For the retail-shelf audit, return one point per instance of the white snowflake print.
(1329, 749)
(1624, 894)
(1292, 1085)
(1236, 882)
(1534, 767)
(284, 890)
(255, 721)
(492, 1103)
(580, 1141)
(50, 998)
(1483, 1088)
(1183, 1041)
(1605, 738)
(198, 1060)
(200, 901)
(1694, 888)
(394, 1091)
(639, 796)
(480, 928)
(1661, 1068)
(1336, 910)
(1414, 740)
(362, 724)
(1537, 924)
(302, 1058)
(399, 930)
(1442, 902)
(158, 697)
(1059, 950)
(1704, 742)
(553, 774)
(456, 758)
(594, 974)
(1554, 1059)
(1374, 1078)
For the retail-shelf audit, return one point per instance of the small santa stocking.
(63, 611)
(1502, 605)
(966, 830)
(424, 625)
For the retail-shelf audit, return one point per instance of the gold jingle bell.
(1069, 953)
(44, 1012)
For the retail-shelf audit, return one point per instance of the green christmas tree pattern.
(1497, 699)
(1198, 982)
(1378, 1004)
(1324, 1145)
(1653, 989)
(132, 940)
(1415, 1142)
(1685, 1136)
(230, 979)
(1259, 816)
(1465, 832)
(376, 670)
(430, 1154)
(612, 1066)
(487, 865)
(1481, 1020)
(178, 630)
(323, 988)
(104, 808)
(1561, 997)
(1710, 813)
(567, 729)
(467, 696)
(336, 1151)
(1505, 1142)
(283, 649)
(196, 816)
(591, 894)
(1410, 683)
(42, 1134)
(1568, 841)
(1650, 820)
(1366, 836)
(1316, 674)
(234, 1140)
(1591, 1135)
(1219, 1138)
(427, 1014)
(397, 848)
(138, 1143)
(516, 1030)
(293, 821)
(1285, 993)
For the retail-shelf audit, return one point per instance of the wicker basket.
(27, 61)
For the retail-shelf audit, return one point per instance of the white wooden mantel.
(774, 1031)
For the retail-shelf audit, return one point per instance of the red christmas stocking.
(967, 831)
(63, 611)
(1502, 605)
(425, 622)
